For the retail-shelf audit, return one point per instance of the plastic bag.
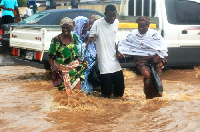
(94, 76)
(156, 80)
(57, 78)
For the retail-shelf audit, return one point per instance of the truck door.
(189, 34)
(186, 19)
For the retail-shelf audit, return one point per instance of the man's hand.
(10, 9)
(156, 59)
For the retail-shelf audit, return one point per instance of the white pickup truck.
(177, 21)
(31, 43)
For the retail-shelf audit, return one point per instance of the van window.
(183, 12)
(139, 5)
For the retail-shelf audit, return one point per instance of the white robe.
(148, 44)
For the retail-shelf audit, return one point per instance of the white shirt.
(28, 11)
(105, 45)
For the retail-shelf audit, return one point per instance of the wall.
(21, 10)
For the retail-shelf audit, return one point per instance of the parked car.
(46, 17)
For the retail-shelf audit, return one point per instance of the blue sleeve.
(2, 2)
(16, 4)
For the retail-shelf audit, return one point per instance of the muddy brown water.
(29, 102)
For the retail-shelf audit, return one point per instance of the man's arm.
(17, 10)
(5, 8)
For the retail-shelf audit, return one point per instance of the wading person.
(67, 71)
(111, 75)
(148, 48)
(86, 48)
(81, 30)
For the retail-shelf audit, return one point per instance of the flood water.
(29, 102)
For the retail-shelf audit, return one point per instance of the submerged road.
(29, 102)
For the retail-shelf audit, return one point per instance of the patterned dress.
(90, 56)
(142, 63)
(66, 55)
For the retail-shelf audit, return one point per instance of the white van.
(178, 22)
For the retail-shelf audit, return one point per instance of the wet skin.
(110, 16)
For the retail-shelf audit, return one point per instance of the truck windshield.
(35, 17)
(185, 12)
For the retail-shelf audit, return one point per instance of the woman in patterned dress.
(63, 53)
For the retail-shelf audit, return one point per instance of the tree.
(22, 3)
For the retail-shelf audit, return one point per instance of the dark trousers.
(7, 19)
(112, 82)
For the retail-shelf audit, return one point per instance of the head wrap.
(94, 18)
(67, 20)
(144, 19)
(80, 21)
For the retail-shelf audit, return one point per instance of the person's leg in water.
(149, 88)
(106, 85)
(118, 82)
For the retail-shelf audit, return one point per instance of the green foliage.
(22, 3)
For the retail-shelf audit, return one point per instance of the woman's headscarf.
(80, 21)
(94, 18)
(67, 20)
(143, 19)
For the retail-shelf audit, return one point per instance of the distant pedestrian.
(111, 75)
(8, 7)
(74, 4)
(28, 11)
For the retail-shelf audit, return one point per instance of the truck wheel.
(47, 66)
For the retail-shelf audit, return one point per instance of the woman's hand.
(119, 55)
(53, 67)
(164, 61)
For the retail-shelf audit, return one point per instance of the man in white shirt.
(28, 11)
(105, 29)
